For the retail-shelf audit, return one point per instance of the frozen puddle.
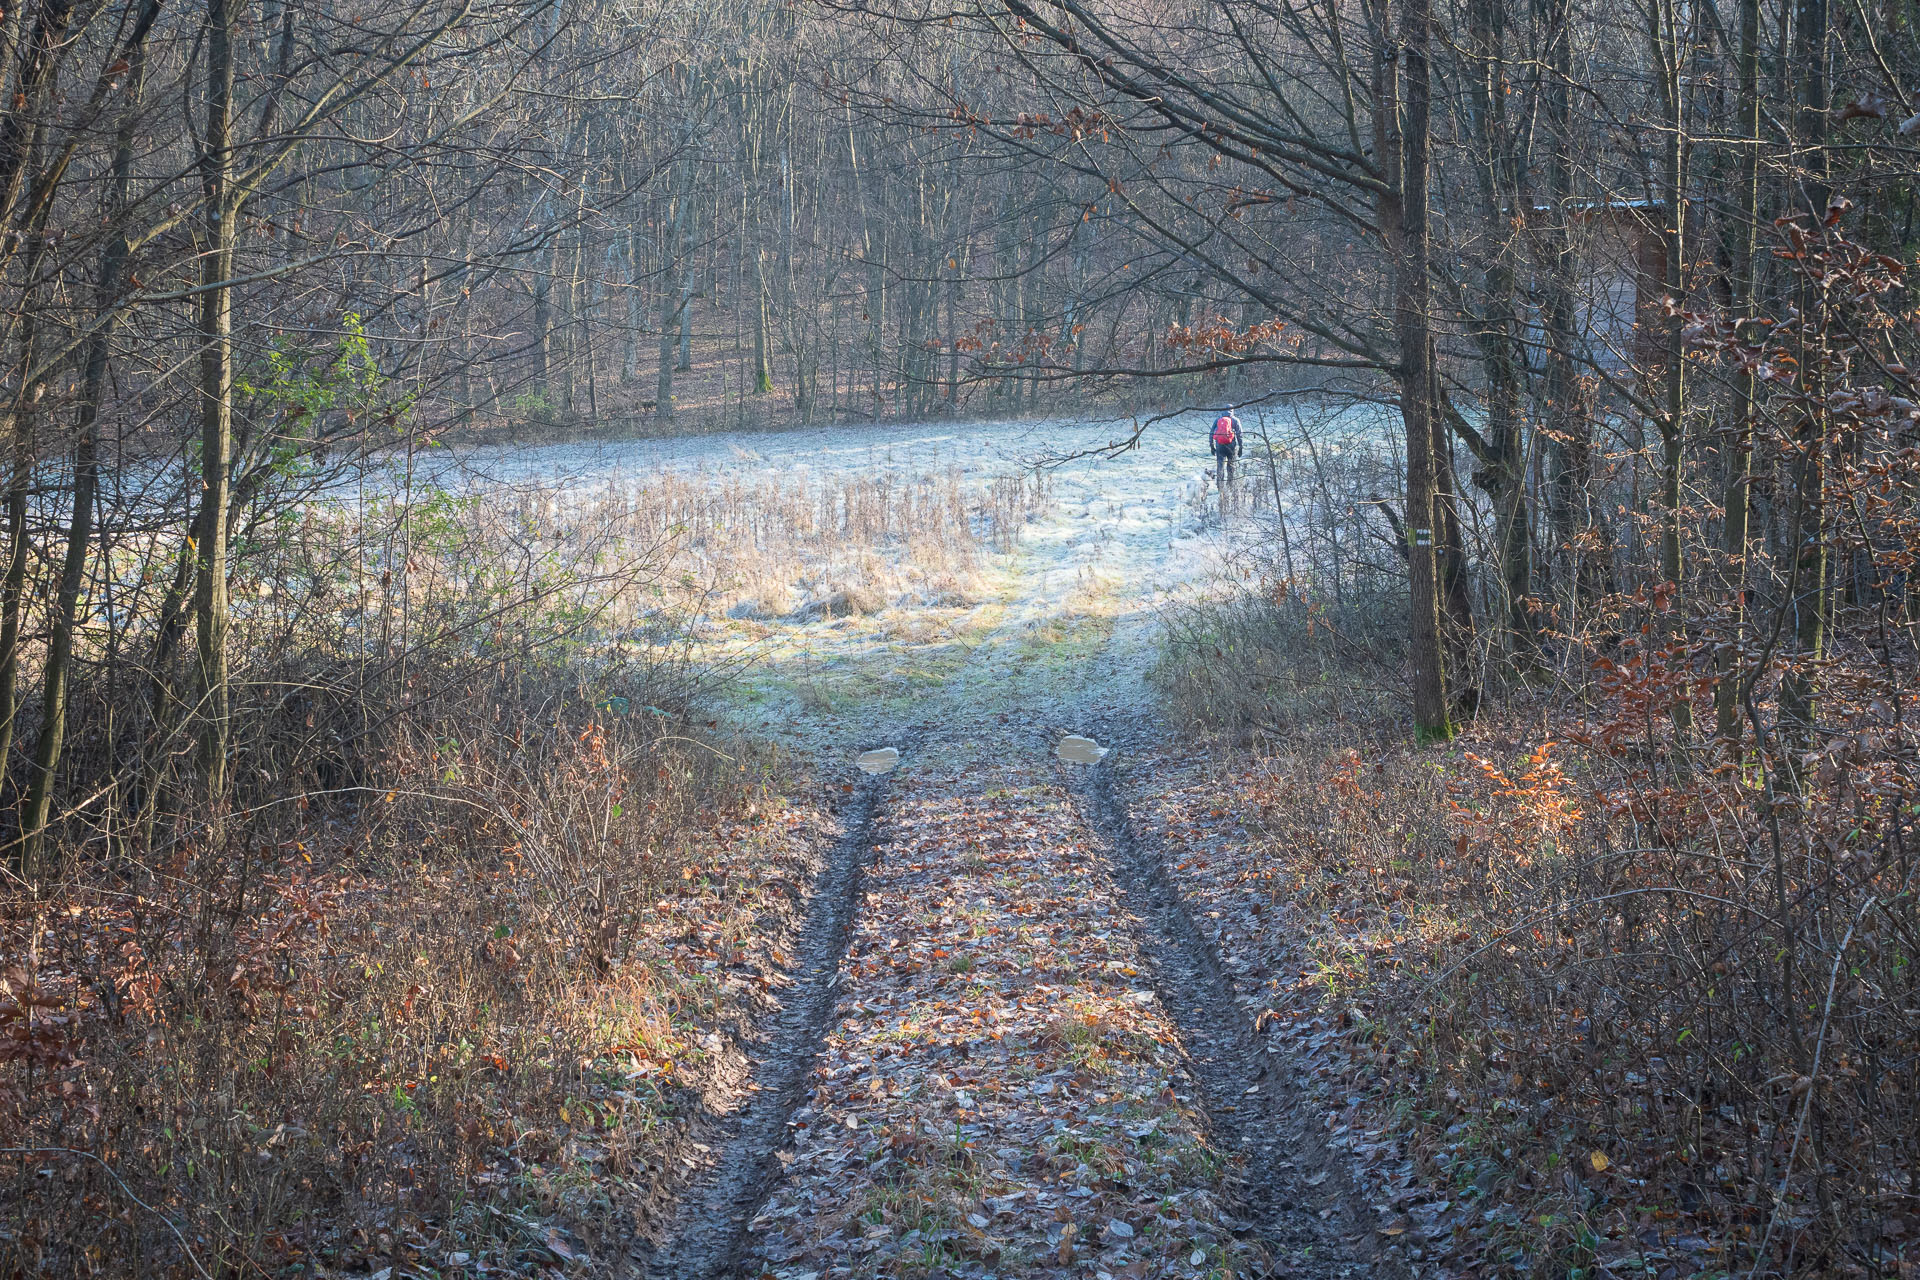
(1077, 750)
(878, 761)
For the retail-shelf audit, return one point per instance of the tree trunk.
(872, 249)
(679, 291)
(1571, 520)
(762, 366)
(1450, 550)
(1403, 151)
(577, 336)
(86, 480)
(1809, 598)
(543, 332)
(1671, 50)
(216, 400)
(1736, 505)
(19, 134)
(752, 142)
(636, 310)
(13, 587)
(22, 417)
(684, 364)
(1503, 473)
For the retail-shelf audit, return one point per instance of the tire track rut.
(1257, 1108)
(711, 1215)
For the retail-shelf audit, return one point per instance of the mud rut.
(709, 1222)
(1253, 1100)
(1287, 1193)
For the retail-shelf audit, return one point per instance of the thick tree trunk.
(1403, 215)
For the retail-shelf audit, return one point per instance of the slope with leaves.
(403, 1036)
(1536, 1042)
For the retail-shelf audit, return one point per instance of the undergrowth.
(441, 979)
(1629, 1004)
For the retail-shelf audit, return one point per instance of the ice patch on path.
(879, 760)
(1075, 749)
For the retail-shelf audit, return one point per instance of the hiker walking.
(1226, 448)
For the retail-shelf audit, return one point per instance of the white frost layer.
(1126, 531)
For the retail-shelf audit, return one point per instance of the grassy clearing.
(819, 549)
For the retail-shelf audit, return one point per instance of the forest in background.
(1632, 277)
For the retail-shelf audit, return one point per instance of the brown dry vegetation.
(458, 1016)
(776, 545)
(1579, 1000)
(447, 981)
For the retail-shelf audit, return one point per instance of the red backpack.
(1224, 433)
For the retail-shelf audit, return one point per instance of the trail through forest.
(1006, 1050)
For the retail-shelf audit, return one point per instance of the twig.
(1813, 1086)
(1551, 912)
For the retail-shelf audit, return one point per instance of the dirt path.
(1298, 1200)
(1030, 1062)
(1010, 1053)
(1003, 1091)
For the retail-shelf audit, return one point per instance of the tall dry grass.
(771, 545)
(442, 982)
